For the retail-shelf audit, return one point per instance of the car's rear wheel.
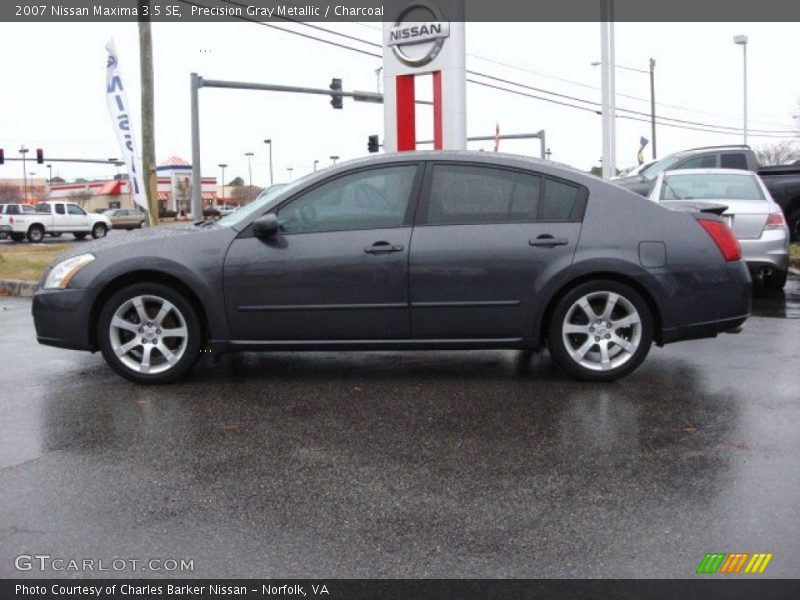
(35, 234)
(793, 220)
(81, 235)
(600, 331)
(149, 333)
(99, 231)
(17, 237)
(56, 234)
(775, 280)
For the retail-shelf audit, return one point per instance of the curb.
(15, 287)
(794, 271)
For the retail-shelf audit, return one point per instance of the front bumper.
(62, 318)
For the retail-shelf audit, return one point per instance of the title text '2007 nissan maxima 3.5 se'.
(427, 250)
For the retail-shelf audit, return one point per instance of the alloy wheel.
(602, 330)
(148, 334)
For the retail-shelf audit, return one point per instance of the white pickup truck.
(55, 218)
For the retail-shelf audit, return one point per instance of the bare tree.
(10, 194)
(243, 194)
(778, 153)
(80, 198)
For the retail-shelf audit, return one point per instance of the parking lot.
(454, 464)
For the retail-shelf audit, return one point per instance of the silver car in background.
(754, 216)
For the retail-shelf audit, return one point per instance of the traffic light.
(372, 143)
(336, 86)
(39, 156)
(2, 156)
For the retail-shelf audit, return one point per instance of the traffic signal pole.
(197, 82)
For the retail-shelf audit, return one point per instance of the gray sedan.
(755, 217)
(418, 250)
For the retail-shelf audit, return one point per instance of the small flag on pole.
(643, 141)
(497, 137)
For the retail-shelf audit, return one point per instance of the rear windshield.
(724, 186)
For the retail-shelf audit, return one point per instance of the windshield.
(654, 169)
(261, 201)
(724, 186)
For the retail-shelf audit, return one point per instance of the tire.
(793, 220)
(99, 231)
(56, 234)
(141, 224)
(16, 237)
(121, 326)
(608, 351)
(775, 281)
(81, 235)
(35, 234)
(3, 235)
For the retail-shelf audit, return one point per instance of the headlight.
(63, 272)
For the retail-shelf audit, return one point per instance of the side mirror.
(266, 226)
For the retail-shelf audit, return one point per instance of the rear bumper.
(61, 318)
(729, 299)
(770, 250)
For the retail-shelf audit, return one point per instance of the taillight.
(775, 221)
(724, 238)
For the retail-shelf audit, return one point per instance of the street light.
(249, 156)
(270, 159)
(741, 40)
(222, 166)
(652, 73)
(334, 158)
(23, 150)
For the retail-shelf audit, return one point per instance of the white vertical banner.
(119, 110)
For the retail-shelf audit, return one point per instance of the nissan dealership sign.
(423, 47)
(416, 43)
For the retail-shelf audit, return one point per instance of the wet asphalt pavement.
(454, 464)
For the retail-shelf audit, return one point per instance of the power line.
(660, 119)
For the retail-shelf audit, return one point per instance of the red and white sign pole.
(414, 48)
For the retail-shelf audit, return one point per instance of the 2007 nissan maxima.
(427, 250)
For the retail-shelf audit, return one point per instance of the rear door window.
(708, 161)
(734, 161)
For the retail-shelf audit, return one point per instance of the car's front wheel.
(149, 333)
(600, 330)
(99, 231)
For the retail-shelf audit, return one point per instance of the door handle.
(548, 241)
(383, 248)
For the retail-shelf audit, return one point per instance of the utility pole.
(269, 141)
(609, 111)
(653, 104)
(23, 150)
(148, 112)
(249, 156)
(222, 166)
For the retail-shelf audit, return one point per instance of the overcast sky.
(54, 77)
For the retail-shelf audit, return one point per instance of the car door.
(484, 237)
(76, 219)
(60, 218)
(337, 269)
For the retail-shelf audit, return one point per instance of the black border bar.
(67, 11)
(700, 588)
